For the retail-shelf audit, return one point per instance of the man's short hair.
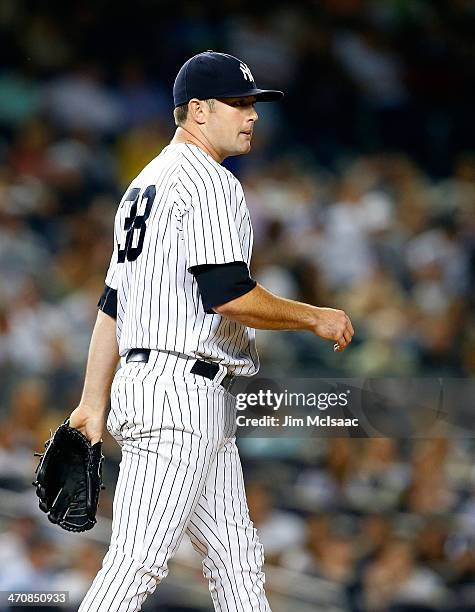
(181, 112)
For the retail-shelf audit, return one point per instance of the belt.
(201, 368)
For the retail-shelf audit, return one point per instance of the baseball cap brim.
(262, 95)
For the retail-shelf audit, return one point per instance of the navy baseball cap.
(217, 75)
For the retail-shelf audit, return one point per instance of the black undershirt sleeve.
(221, 283)
(108, 302)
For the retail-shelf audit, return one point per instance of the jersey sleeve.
(108, 302)
(210, 223)
(219, 284)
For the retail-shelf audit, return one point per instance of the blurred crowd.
(390, 524)
(360, 75)
(394, 524)
(361, 187)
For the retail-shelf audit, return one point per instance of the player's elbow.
(236, 307)
(224, 309)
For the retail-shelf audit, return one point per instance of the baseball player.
(179, 311)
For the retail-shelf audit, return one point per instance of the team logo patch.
(247, 74)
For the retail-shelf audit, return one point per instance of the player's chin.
(244, 147)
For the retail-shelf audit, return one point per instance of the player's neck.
(182, 135)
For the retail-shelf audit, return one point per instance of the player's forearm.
(101, 363)
(261, 309)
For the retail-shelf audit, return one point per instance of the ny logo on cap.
(247, 74)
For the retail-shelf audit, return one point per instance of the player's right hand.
(333, 324)
(89, 422)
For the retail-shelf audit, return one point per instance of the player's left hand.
(89, 422)
(338, 348)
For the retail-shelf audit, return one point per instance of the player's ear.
(197, 110)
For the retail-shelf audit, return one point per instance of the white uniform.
(180, 470)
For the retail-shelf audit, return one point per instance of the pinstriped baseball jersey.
(183, 210)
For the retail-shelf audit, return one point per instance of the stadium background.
(361, 186)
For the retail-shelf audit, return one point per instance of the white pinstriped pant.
(180, 472)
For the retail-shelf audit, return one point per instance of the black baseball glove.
(69, 479)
